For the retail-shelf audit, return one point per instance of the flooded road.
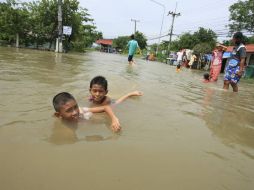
(181, 135)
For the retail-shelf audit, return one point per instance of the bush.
(78, 46)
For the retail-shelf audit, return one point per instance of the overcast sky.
(113, 17)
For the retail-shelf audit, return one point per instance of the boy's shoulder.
(106, 101)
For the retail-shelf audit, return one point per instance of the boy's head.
(178, 66)
(66, 107)
(132, 37)
(206, 76)
(98, 88)
(238, 38)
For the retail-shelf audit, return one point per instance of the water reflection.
(227, 119)
(70, 133)
(63, 133)
(180, 123)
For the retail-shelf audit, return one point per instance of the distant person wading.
(133, 46)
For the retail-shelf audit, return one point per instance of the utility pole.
(59, 40)
(174, 14)
(135, 22)
(159, 39)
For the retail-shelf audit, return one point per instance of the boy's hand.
(136, 93)
(115, 125)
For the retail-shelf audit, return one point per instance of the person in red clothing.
(216, 62)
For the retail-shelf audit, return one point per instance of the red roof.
(249, 48)
(104, 42)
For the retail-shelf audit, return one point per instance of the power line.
(174, 14)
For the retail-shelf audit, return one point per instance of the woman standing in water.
(234, 69)
(216, 62)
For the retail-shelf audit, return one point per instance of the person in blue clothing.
(133, 46)
(234, 69)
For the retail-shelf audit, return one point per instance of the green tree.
(241, 15)
(203, 48)
(205, 36)
(141, 39)
(121, 42)
(43, 19)
(247, 40)
(189, 41)
(250, 40)
(13, 21)
(186, 41)
(36, 22)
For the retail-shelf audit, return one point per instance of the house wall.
(250, 58)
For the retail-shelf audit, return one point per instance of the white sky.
(113, 17)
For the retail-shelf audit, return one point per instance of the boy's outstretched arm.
(134, 93)
(115, 124)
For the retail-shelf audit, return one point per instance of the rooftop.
(104, 41)
(249, 48)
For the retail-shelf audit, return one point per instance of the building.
(105, 45)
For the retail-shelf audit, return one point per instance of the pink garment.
(216, 65)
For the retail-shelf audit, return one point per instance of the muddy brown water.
(181, 135)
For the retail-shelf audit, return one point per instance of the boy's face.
(98, 93)
(69, 111)
(235, 41)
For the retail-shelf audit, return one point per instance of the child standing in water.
(67, 109)
(99, 90)
(178, 68)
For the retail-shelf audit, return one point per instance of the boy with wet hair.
(67, 109)
(99, 89)
(206, 77)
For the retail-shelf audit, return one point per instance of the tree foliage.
(141, 39)
(189, 41)
(13, 21)
(122, 41)
(202, 48)
(246, 40)
(36, 22)
(241, 15)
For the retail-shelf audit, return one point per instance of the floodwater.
(181, 135)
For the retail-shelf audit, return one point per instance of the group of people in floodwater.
(233, 70)
(67, 109)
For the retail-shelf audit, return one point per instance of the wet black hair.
(132, 36)
(238, 36)
(61, 99)
(100, 80)
(206, 76)
(178, 66)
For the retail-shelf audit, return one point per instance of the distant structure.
(105, 45)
